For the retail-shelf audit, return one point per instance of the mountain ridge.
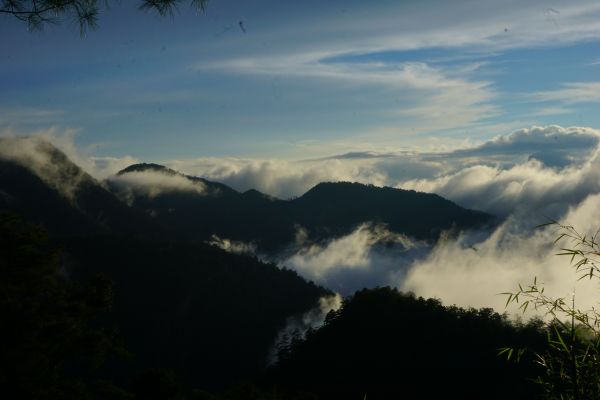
(152, 199)
(327, 210)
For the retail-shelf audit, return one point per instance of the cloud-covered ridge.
(540, 168)
(47, 162)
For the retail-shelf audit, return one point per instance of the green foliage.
(84, 12)
(571, 359)
(50, 341)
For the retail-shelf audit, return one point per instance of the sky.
(302, 80)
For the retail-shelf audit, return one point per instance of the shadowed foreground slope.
(385, 344)
(207, 314)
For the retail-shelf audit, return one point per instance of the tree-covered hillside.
(209, 315)
(383, 344)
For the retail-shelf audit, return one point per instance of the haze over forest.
(275, 188)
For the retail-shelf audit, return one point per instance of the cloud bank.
(547, 189)
(474, 272)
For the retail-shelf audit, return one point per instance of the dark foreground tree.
(50, 340)
(84, 12)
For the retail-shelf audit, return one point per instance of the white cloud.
(571, 93)
(64, 140)
(279, 178)
(153, 183)
(362, 28)
(529, 187)
(370, 256)
(434, 96)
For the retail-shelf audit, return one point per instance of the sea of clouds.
(526, 178)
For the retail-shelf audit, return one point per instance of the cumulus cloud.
(527, 187)
(553, 145)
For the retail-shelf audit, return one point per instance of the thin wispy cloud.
(387, 74)
(433, 97)
(549, 111)
(571, 93)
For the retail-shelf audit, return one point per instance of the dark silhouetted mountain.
(338, 207)
(383, 344)
(328, 210)
(147, 167)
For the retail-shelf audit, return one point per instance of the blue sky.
(305, 79)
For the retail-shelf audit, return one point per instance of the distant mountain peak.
(152, 180)
(253, 193)
(144, 167)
